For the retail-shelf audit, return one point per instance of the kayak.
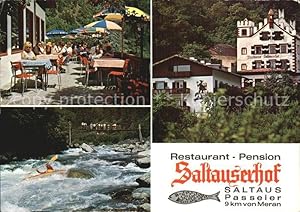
(40, 175)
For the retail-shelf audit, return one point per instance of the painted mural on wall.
(202, 90)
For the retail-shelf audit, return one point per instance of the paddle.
(53, 158)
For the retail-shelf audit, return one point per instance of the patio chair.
(18, 72)
(126, 67)
(88, 70)
(56, 71)
(82, 63)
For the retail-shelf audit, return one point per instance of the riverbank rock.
(141, 194)
(143, 160)
(125, 195)
(144, 207)
(3, 159)
(80, 173)
(144, 180)
(87, 148)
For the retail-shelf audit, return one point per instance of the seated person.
(108, 51)
(98, 53)
(62, 56)
(39, 49)
(69, 49)
(49, 169)
(56, 48)
(48, 48)
(83, 50)
(27, 53)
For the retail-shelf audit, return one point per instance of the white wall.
(247, 42)
(227, 78)
(5, 70)
(5, 66)
(191, 83)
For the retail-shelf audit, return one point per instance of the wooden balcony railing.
(172, 91)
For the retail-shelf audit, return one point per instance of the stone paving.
(72, 92)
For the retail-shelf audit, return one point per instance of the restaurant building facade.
(188, 81)
(27, 23)
(272, 45)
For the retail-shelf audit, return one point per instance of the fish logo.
(188, 197)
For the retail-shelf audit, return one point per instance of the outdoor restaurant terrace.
(87, 65)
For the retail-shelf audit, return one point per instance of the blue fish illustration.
(188, 197)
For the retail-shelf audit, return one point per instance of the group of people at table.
(66, 51)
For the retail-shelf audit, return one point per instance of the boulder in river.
(143, 162)
(79, 173)
(144, 180)
(87, 148)
(141, 194)
(144, 207)
(125, 195)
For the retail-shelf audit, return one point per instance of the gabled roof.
(223, 50)
(47, 3)
(192, 61)
(267, 25)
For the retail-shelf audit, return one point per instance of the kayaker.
(49, 169)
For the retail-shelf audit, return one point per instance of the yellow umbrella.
(133, 11)
(117, 17)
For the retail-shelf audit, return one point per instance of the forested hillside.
(191, 27)
(70, 14)
(37, 132)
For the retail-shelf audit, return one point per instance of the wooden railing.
(172, 91)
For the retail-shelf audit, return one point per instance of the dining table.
(35, 66)
(102, 64)
(51, 57)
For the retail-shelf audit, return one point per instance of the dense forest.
(38, 132)
(191, 27)
(70, 14)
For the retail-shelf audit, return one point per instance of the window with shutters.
(283, 48)
(265, 36)
(273, 64)
(278, 35)
(179, 84)
(272, 49)
(160, 85)
(244, 67)
(258, 49)
(244, 32)
(258, 64)
(182, 68)
(284, 64)
(244, 51)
